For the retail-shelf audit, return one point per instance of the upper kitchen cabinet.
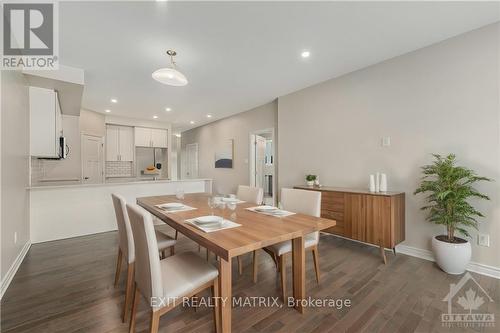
(151, 137)
(45, 123)
(119, 143)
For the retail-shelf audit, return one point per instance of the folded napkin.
(275, 212)
(174, 209)
(226, 224)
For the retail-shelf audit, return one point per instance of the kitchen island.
(64, 211)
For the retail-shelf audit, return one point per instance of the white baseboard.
(475, 267)
(13, 269)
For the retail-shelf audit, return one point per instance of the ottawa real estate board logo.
(467, 305)
(30, 35)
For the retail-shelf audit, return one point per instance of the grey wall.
(14, 171)
(440, 99)
(238, 128)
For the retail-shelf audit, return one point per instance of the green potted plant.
(449, 188)
(310, 180)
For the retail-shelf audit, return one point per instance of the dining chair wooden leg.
(255, 266)
(118, 266)
(155, 321)
(240, 265)
(208, 255)
(176, 234)
(128, 291)
(199, 247)
(215, 295)
(316, 261)
(172, 250)
(135, 304)
(282, 264)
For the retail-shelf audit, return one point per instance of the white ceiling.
(239, 55)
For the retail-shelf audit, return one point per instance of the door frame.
(251, 158)
(103, 156)
(184, 160)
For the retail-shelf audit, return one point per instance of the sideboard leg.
(382, 251)
(394, 250)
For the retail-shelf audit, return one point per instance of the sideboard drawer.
(332, 201)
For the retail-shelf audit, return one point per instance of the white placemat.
(276, 213)
(225, 225)
(176, 210)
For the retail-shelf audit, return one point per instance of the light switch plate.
(483, 240)
(386, 141)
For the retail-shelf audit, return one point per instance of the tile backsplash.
(119, 169)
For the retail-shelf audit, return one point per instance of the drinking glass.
(221, 205)
(232, 208)
(179, 194)
(212, 204)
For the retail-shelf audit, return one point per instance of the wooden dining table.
(257, 230)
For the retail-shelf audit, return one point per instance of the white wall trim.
(475, 267)
(13, 269)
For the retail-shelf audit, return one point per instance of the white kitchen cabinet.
(151, 137)
(119, 143)
(143, 137)
(159, 137)
(45, 123)
(126, 143)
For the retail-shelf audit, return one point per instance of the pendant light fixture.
(170, 75)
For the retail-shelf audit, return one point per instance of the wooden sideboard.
(374, 218)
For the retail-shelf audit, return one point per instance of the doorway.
(262, 163)
(92, 159)
(190, 161)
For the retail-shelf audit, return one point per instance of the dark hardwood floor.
(67, 286)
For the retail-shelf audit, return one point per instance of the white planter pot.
(310, 183)
(453, 258)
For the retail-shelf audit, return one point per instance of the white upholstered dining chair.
(164, 283)
(126, 248)
(250, 194)
(297, 201)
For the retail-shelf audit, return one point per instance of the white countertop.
(115, 182)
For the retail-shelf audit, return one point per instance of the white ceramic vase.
(452, 258)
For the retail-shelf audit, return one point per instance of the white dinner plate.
(171, 205)
(266, 208)
(208, 220)
(230, 200)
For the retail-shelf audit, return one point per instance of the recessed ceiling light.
(209, 116)
(178, 135)
(191, 122)
(107, 110)
(305, 54)
(114, 100)
(168, 109)
(155, 117)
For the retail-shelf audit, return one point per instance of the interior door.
(260, 160)
(191, 161)
(126, 143)
(92, 159)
